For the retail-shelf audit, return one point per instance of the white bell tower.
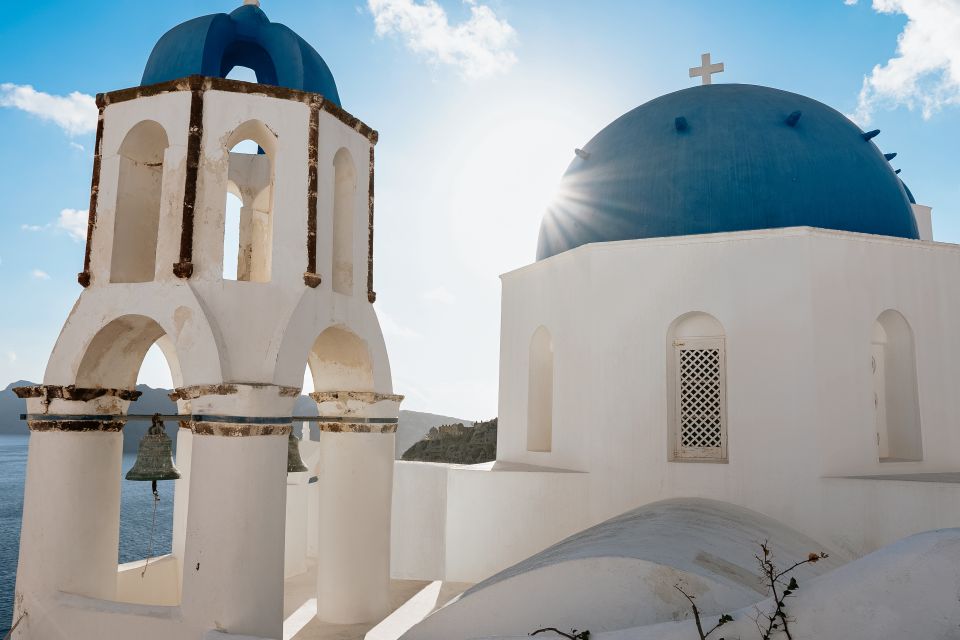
(237, 337)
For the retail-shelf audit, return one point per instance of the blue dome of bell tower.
(213, 45)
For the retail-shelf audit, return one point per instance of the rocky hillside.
(457, 444)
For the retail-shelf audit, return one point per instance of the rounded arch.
(340, 360)
(186, 336)
(895, 391)
(697, 388)
(296, 339)
(344, 192)
(137, 212)
(114, 355)
(254, 130)
(540, 391)
(695, 324)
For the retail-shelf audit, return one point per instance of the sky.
(479, 105)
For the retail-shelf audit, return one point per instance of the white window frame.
(704, 454)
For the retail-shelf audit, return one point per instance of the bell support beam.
(355, 491)
(233, 529)
(71, 512)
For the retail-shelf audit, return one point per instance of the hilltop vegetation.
(457, 444)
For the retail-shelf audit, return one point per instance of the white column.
(233, 555)
(355, 488)
(71, 510)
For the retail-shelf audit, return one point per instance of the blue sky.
(479, 105)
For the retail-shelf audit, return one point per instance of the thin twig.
(583, 635)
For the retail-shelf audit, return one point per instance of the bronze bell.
(294, 461)
(155, 455)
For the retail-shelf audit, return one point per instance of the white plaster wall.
(295, 531)
(797, 306)
(462, 524)
(158, 584)
(418, 527)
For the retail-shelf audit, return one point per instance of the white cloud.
(74, 222)
(480, 46)
(11, 356)
(77, 146)
(925, 72)
(391, 327)
(849, 2)
(75, 113)
(439, 294)
(40, 275)
(34, 227)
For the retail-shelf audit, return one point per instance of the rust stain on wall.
(198, 390)
(84, 276)
(184, 268)
(231, 430)
(76, 425)
(371, 294)
(70, 392)
(311, 278)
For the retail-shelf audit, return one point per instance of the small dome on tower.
(725, 157)
(213, 45)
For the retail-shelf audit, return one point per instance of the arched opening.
(243, 59)
(137, 215)
(344, 190)
(895, 399)
(697, 388)
(540, 392)
(340, 360)
(248, 233)
(132, 351)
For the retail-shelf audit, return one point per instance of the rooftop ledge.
(944, 477)
(731, 236)
(206, 83)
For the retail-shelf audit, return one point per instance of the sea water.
(136, 518)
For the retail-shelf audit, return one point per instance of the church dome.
(213, 45)
(725, 157)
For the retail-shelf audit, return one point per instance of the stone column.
(71, 509)
(234, 542)
(355, 488)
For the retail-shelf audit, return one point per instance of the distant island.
(457, 443)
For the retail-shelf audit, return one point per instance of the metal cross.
(705, 70)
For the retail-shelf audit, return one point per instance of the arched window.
(248, 233)
(344, 190)
(137, 216)
(696, 380)
(894, 370)
(540, 392)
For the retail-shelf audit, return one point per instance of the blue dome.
(213, 45)
(725, 157)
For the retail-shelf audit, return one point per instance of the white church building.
(738, 327)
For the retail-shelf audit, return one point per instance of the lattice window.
(700, 403)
